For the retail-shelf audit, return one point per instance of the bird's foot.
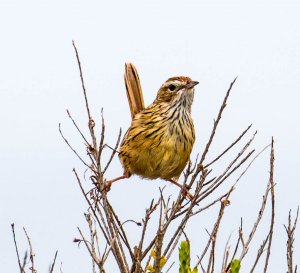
(184, 189)
(185, 192)
(108, 183)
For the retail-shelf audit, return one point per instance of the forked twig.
(229, 147)
(17, 251)
(74, 151)
(290, 231)
(213, 132)
(216, 122)
(272, 185)
(82, 82)
(114, 151)
(259, 217)
(259, 253)
(31, 254)
(77, 127)
(91, 123)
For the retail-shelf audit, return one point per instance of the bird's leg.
(108, 183)
(184, 189)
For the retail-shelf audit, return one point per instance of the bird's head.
(177, 90)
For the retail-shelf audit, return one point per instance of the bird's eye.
(171, 87)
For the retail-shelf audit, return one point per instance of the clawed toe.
(186, 193)
(107, 185)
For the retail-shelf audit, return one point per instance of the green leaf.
(184, 257)
(235, 266)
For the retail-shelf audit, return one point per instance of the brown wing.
(134, 89)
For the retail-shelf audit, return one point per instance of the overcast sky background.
(210, 41)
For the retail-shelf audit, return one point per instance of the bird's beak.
(191, 84)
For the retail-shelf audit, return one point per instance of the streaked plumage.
(160, 138)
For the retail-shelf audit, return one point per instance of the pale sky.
(210, 41)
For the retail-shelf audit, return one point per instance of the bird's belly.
(164, 158)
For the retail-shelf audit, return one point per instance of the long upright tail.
(134, 89)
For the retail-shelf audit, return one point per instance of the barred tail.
(134, 89)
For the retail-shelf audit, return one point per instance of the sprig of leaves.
(184, 258)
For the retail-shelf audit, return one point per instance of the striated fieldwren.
(160, 139)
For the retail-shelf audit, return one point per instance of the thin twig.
(113, 151)
(100, 147)
(224, 203)
(91, 206)
(218, 182)
(216, 122)
(120, 230)
(53, 264)
(90, 223)
(271, 179)
(77, 127)
(255, 225)
(210, 204)
(74, 151)
(225, 256)
(82, 82)
(170, 267)
(234, 253)
(213, 132)
(228, 171)
(117, 248)
(290, 231)
(259, 253)
(139, 250)
(229, 147)
(31, 254)
(94, 257)
(185, 219)
(17, 251)
(91, 122)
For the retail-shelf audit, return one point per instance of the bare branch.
(229, 170)
(77, 127)
(91, 122)
(53, 264)
(74, 151)
(213, 132)
(213, 235)
(259, 216)
(290, 231)
(92, 232)
(100, 148)
(260, 252)
(82, 82)
(89, 248)
(31, 254)
(216, 122)
(271, 183)
(113, 151)
(235, 251)
(229, 147)
(16, 246)
(91, 206)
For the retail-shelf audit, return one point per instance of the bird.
(159, 141)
